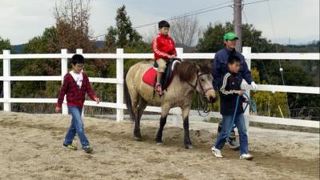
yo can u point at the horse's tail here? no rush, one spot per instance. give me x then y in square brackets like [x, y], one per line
[128, 100]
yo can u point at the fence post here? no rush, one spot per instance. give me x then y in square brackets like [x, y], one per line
[120, 81]
[246, 51]
[6, 81]
[179, 52]
[176, 117]
[80, 51]
[64, 71]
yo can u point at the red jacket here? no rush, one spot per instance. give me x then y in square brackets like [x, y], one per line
[163, 46]
[75, 95]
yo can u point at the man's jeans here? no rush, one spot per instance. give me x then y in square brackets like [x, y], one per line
[76, 127]
[227, 126]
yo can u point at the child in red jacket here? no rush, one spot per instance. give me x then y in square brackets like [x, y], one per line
[76, 85]
[164, 49]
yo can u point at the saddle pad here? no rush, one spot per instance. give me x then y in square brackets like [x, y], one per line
[150, 77]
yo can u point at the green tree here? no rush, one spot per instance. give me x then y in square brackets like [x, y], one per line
[124, 35]
[46, 43]
[111, 40]
[268, 103]
[212, 38]
[71, 31]
[4, 44]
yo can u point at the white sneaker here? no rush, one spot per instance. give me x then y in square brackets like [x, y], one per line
[216, 152]
[246, 156]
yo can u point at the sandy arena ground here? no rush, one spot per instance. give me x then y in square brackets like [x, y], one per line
[31, 148]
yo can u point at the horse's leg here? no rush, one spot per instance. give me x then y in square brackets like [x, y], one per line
[185, 117]
[140, 108]
[135, 104]
[163, 119]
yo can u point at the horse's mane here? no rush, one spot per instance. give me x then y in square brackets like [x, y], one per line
[187, 70]
[204, 68]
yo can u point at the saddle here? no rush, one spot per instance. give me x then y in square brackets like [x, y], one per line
[150, 76]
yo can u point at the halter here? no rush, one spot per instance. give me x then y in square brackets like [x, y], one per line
[204, 91]
[201, 105]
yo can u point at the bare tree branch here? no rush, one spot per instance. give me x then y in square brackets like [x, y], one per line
[185, 30]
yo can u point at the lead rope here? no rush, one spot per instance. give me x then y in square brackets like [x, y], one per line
[250, 102]
[203, 107]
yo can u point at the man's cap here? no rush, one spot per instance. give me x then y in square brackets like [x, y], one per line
[230, 36]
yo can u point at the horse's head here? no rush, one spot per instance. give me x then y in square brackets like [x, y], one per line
[199, 77]
[204, 82]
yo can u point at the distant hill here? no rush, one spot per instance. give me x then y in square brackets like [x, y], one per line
[311, 47]
[18, 49]
[100, 44]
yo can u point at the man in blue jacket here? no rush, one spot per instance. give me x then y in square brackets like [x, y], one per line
[219, 69]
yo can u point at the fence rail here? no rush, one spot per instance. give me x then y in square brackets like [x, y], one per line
[120, 57]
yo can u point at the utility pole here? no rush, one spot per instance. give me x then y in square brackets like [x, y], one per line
[237, 22]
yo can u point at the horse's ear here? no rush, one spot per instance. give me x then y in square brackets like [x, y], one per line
[205, 68]
[197, 66]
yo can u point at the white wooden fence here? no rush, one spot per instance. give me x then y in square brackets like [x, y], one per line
[120, 56]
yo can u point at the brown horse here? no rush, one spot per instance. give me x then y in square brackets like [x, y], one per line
[188, 78]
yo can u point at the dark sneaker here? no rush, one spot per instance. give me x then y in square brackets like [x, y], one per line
[70, 146]
[233, 144]
[87, 149]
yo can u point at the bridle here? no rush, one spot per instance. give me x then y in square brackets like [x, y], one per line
[204, 91]
[202, 105]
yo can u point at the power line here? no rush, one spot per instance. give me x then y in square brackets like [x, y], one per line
[255, 2]
[203, 9]
[174, 18]
[187, 14]
[277, 49]
[274, 35]
[253, 45]
[194, 12]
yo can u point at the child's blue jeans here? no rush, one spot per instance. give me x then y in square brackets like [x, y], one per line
[227, 126]
[76, 127]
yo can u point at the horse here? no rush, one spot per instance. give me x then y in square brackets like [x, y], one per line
[187, 79]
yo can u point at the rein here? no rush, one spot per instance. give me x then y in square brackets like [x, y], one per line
[203, 106]
[202, 103]
[204, 91]
[249, 102]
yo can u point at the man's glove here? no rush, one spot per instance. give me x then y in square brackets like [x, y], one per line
[253, 85]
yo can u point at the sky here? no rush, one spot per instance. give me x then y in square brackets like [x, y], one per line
[283, 21]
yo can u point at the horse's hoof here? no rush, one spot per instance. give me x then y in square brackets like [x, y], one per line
[188, 146]
[159, 143]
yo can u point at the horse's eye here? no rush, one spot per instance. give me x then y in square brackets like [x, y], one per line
[202, 79]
